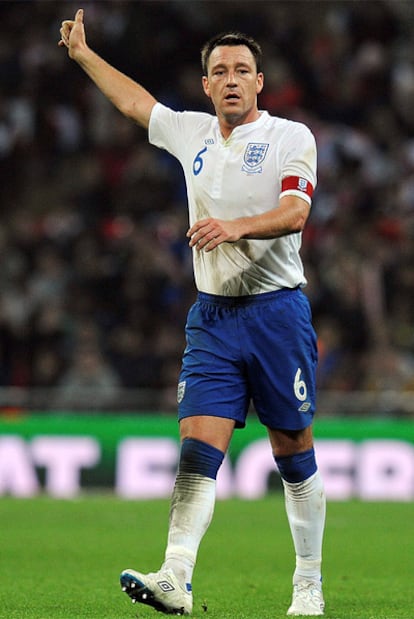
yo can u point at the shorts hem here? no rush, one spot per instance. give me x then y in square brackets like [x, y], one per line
[296, 428]
[239, 423]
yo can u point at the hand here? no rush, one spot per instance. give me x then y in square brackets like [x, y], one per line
[72, 34]
[207, 234]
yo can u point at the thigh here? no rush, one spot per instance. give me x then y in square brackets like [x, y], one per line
[212, 379]
[282, 363]
[215, 431]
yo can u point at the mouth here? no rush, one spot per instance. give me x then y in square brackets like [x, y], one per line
[232, 96]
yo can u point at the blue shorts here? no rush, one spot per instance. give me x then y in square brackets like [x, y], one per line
[258, 349]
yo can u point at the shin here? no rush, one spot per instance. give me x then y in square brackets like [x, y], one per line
[192, 505]
[305, 508]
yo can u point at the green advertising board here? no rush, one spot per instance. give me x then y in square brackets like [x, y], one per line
[135, 456]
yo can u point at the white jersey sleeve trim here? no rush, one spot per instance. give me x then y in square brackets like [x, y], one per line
[295, 192]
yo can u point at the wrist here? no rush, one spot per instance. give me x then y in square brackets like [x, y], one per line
[79, 53]
[244, 227]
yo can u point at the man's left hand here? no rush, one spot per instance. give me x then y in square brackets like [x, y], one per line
[208, 233]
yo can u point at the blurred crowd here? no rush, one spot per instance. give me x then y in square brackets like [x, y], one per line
[96, 275]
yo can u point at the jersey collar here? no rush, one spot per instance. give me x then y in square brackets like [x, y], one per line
[241, 130]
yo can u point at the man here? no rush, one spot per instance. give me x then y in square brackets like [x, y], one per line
[250, 179]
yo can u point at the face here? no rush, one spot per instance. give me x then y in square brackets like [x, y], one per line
[233, 84]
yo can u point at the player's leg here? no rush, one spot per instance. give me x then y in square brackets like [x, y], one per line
[210, 382]
[283, 358]
[204, 443]
[305, 507]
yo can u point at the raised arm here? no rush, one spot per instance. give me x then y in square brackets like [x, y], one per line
[127, 95]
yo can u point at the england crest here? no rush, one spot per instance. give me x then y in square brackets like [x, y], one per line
[181, 391]
[254, 156]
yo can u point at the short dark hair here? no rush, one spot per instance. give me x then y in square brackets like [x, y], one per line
[232, 39]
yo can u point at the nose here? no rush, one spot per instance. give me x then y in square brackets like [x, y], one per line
[231, 79]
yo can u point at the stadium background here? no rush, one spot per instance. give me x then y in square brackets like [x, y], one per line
[96, 275]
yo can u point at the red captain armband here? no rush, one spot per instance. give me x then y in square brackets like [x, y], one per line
[297, 183]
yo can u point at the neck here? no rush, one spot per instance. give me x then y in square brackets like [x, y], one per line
[229, 122]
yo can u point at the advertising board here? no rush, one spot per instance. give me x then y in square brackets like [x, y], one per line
[136, 456]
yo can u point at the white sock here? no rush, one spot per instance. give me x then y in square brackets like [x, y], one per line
[305, 507]
[192, 507]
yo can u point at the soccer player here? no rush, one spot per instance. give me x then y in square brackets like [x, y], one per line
[250, 179]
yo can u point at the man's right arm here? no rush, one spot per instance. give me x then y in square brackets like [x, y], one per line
[127, 95]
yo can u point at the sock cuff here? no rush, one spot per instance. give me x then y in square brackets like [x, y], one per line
[200, 458]
[298, 467]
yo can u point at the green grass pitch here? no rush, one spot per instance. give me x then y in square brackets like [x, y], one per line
[62, 559]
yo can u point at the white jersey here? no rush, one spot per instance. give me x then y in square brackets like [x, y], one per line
[238, 177]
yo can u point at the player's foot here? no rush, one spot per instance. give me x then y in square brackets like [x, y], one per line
[307, 600]
[161, 590]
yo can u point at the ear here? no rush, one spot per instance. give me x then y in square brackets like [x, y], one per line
[259, 83]
[206, 85]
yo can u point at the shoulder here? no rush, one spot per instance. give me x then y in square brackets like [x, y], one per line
[174, 131]
[163, 112]
[287, 127]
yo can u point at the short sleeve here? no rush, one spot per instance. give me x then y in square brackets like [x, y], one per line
[298, 173]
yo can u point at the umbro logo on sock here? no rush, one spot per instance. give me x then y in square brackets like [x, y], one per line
[165, 586]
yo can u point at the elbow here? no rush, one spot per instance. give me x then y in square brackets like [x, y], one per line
[301, 218]
[138, 113]
[128, 109]
[296, 212]
[299, 224]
